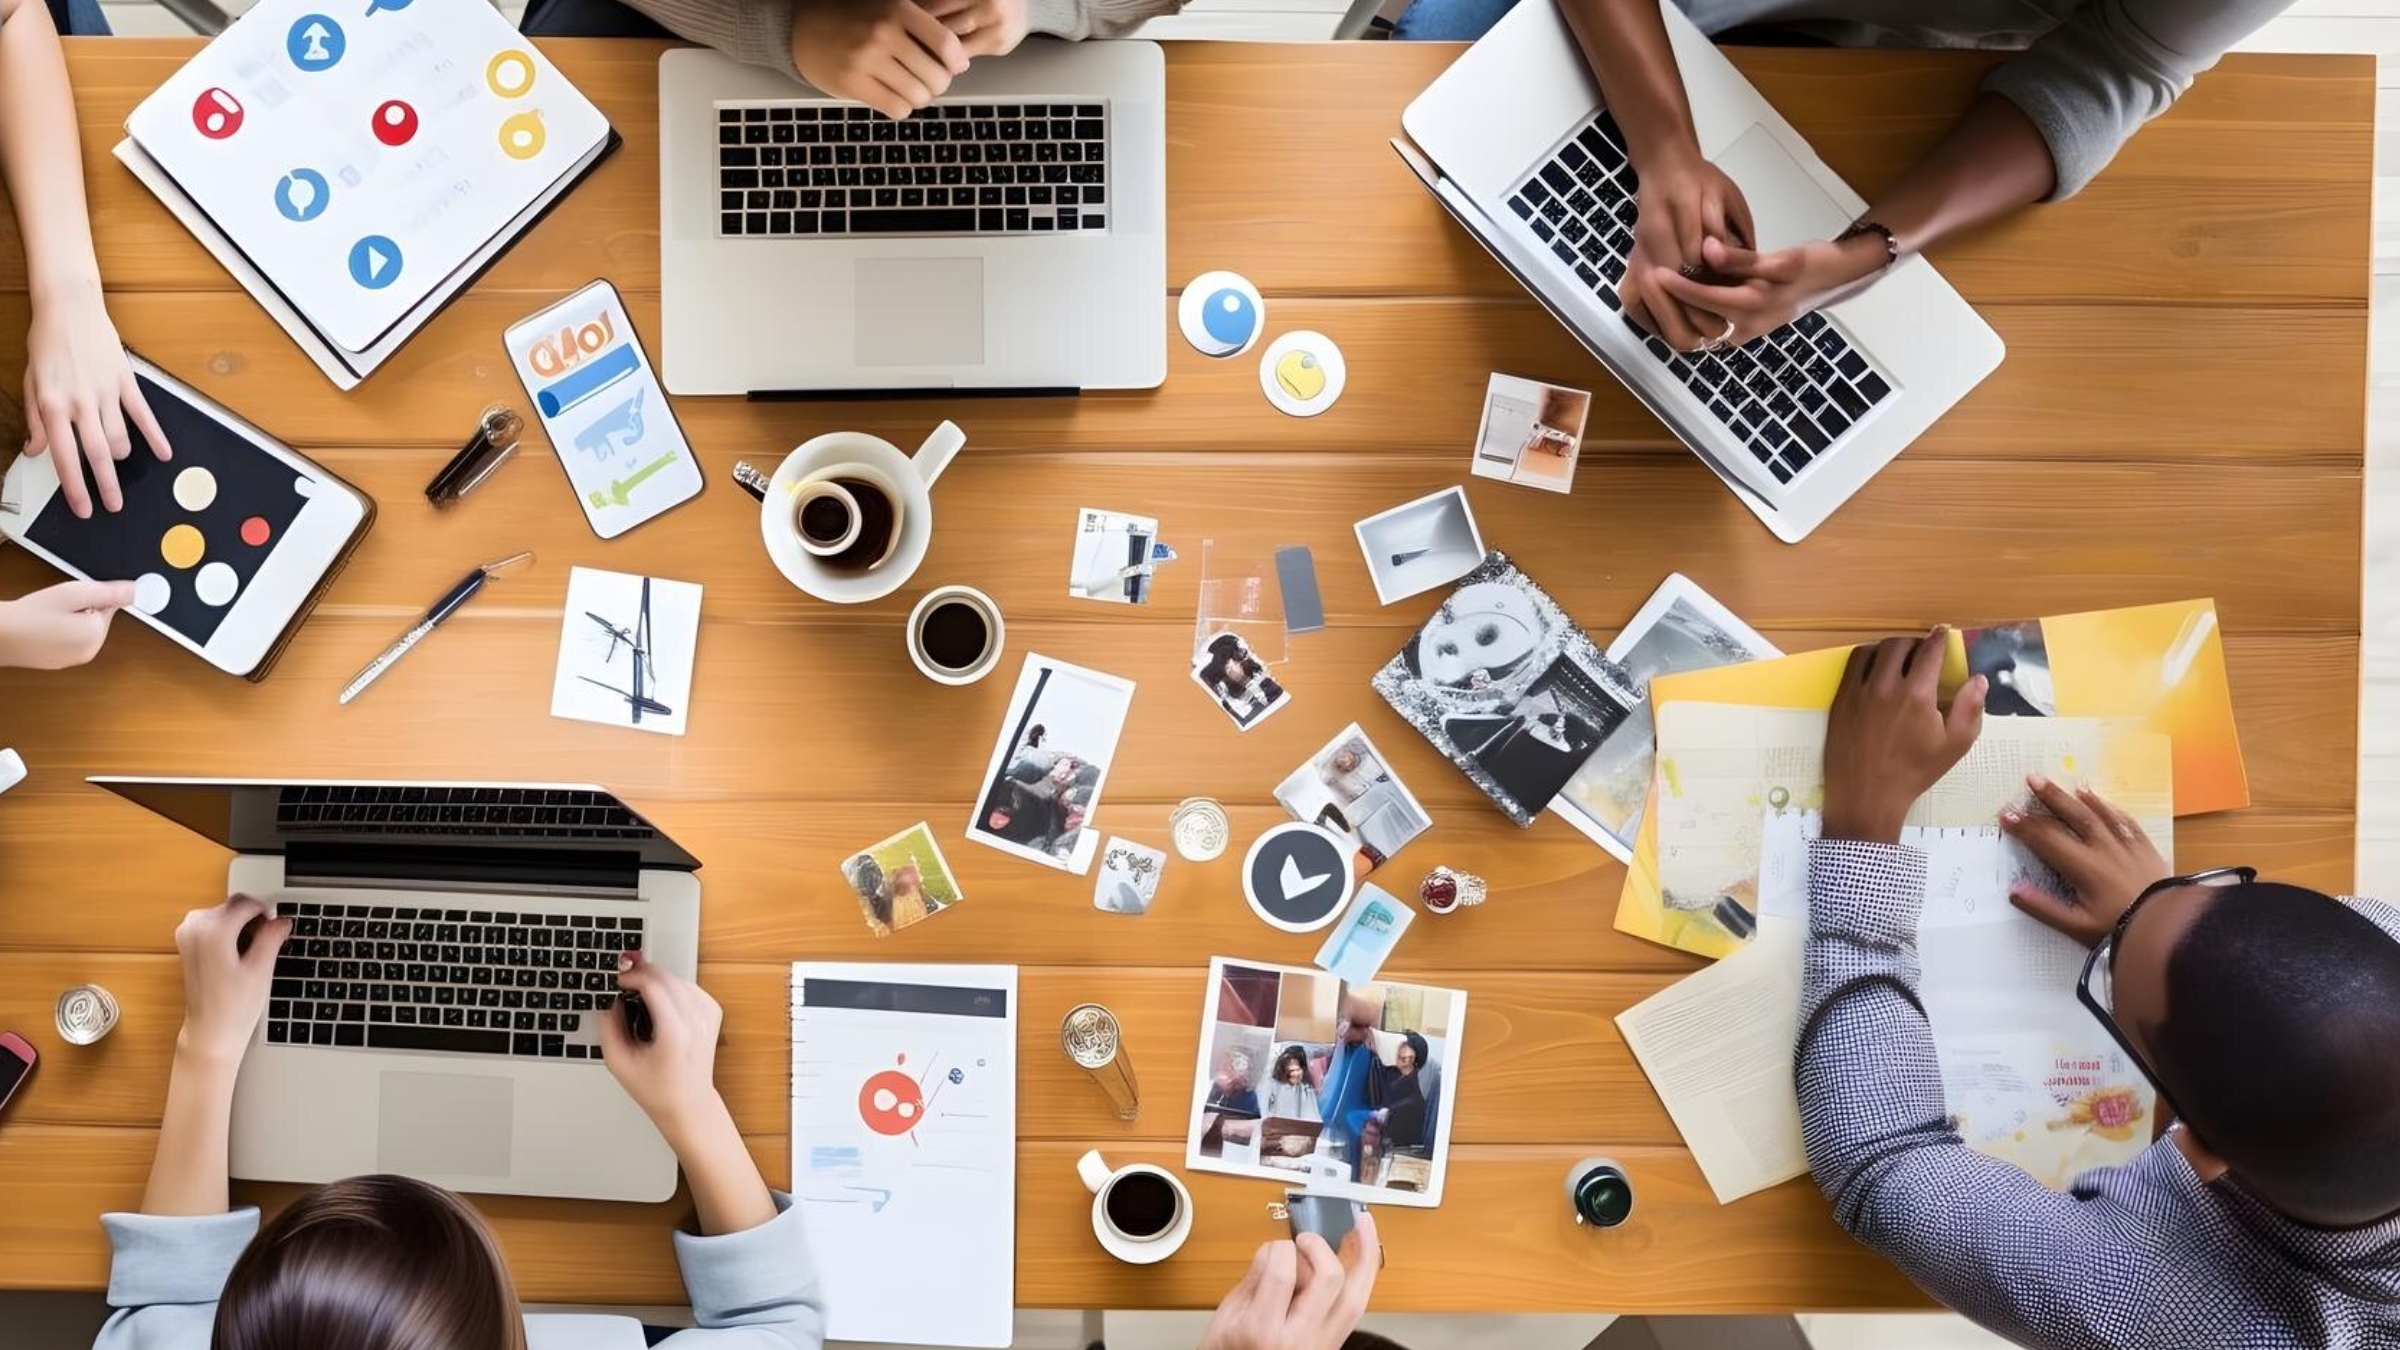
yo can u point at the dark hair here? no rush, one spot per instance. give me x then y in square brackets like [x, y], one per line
[866, 878]
[1292, 1054]
[2281, 1038]
[1035, 737]
[372, 1263]
[1417, 1043]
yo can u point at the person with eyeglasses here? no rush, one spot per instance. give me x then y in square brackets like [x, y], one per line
[2266, 1016]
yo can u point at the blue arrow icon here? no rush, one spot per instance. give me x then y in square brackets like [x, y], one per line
[301, 195]
[375, 262]
[314, 42]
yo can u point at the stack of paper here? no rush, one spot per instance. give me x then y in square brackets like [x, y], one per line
[356, 169]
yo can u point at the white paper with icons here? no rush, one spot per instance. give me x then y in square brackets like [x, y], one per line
[359, 151]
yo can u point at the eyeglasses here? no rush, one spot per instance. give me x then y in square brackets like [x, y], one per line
[2096, 990]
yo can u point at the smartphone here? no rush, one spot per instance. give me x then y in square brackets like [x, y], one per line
[16, 1064]
[598, 397]
[1329, 1217]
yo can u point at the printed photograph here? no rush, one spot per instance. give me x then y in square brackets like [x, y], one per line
[2016, 659]
[625, 651]
[1364, 938]
[1043, 783]
[1681, 628]
[1531, 433]
[1128, 877]
[1349, 788]
[1115, 556]
[1502, 682]
[1419, 545]
[1229, 673]
[1358, 1104]
[902, 881]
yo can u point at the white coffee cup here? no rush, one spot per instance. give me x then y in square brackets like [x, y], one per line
[995, 635]
[844, 499]
[908, 480]
[1134, 1249]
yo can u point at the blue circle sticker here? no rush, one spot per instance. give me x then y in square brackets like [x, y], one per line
[301, 195]
[314, 42]
[1229, 317]
[375, 262]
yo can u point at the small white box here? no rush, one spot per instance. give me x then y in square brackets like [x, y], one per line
[1419, 545]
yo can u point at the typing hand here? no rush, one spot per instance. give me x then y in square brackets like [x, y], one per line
[987, 27]
[674, 1071]
[1298, 1295]
[79, 394]
[60, 626]
[1761, 292]
[2102, 853]
[891, 55]
[1684, 201]
[1888, 738]
[225, 983]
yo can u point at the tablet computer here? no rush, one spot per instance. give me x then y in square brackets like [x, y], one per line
[228, 544]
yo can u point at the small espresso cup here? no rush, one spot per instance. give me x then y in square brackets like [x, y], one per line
[1140, 1213]
[943, 630]
[825, 517]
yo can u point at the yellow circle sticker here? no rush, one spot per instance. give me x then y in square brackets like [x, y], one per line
[182, 546]
[510, 73]
[522, 136]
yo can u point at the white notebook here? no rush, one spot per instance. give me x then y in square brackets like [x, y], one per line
[904, 1147]
[354, 168]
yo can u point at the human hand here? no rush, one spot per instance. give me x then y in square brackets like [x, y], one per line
[60, 626]
[891, 55]
[79, 395]
[1298, 1295]
[224, 985]
[674, 1072]
[986, 27]
[1888, 739]
[1684, 201]
[1761, 292]
[2102, 853]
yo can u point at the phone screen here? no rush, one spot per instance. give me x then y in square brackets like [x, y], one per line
[12, 1072]
[195, 529]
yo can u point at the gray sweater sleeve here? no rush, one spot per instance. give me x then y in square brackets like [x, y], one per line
[2091, 82]
[759, 32]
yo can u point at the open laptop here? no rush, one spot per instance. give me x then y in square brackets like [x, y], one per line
[434, 1012]
[1516, 140]
[1009, 238]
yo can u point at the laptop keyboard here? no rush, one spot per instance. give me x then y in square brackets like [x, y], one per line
[483, 982]
[1788, 396]
[803, 170]
[540, 813]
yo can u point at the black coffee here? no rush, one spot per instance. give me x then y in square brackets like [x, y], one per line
[1142, 1204]
[824, 519]
[955, 635]
[877, 518]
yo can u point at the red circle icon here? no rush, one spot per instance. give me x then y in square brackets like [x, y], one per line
[395, 122]
[216, 114]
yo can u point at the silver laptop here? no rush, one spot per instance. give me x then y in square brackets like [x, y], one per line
[1516, 140]
[434, 1012]
[1010, 237]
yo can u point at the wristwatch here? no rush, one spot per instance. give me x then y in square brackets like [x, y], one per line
[1891, 246]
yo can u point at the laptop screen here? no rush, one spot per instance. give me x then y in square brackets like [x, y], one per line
[567, 823]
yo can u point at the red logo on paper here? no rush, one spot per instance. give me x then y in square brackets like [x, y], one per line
[216, 114]
[395, 122]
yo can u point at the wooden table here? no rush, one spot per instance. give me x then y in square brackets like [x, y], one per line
[2181, 413]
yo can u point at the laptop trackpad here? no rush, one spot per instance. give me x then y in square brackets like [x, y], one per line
[919, 311]
[1785, 203]
[444, 1124]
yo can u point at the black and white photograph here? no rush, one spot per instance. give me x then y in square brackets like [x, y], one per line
[1504, 683]
[1681, 628]
[1227, 671]
[2015, 658]
[1416, 546]
[1115, 557]
[1128, 878]
[1043, 784]
[1349, 788]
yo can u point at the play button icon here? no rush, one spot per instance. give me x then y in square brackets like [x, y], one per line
[375, 262]
[1297, 876]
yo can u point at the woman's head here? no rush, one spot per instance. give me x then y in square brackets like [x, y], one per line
[1412, 1053]
[1292, 1065]
[372, 1263]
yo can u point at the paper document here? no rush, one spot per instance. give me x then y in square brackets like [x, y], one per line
[904, 1147]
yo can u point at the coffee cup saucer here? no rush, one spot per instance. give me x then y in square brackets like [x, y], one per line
[898, 477]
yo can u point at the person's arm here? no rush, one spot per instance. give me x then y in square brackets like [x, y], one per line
[749, 1273]
[79, 390]
[1300, 1295]
[895, 56]
[1683, 198]
[1981, 1235]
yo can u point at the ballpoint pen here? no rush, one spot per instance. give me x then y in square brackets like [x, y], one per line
[442, 609]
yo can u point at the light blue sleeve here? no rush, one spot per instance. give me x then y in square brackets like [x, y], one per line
[752, 1290]
[164, 1275]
